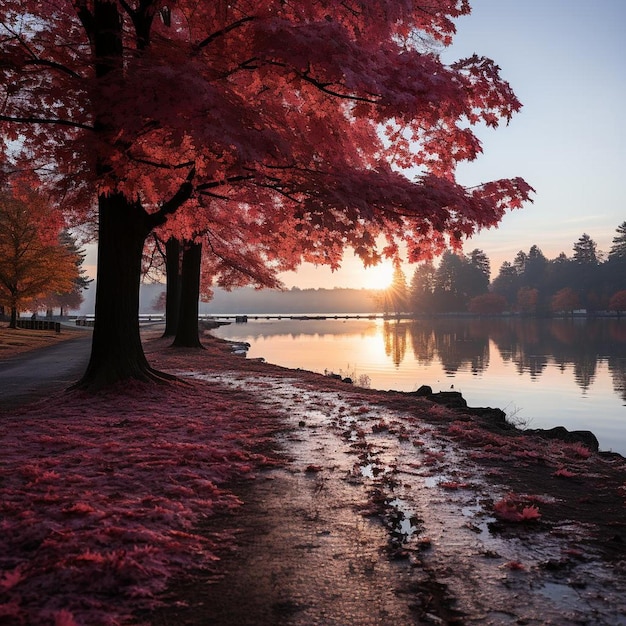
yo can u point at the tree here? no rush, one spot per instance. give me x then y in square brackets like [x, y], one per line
[476, 273]
[519, 262]
[618, 302]
[487, 304]
[283, 124]
[565, 300]
[448, 294]
[527, 300]
[506, 283]
[423, 287]
[586, 262]
[33, 260]
[397, 295]
[618, 249]
[585, 251]
[480, 261]
[73, 298]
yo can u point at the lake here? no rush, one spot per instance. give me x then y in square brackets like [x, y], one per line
[542, 373]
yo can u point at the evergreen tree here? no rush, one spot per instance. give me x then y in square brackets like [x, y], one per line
[480, 260]
[585, 251]
[397, 295]
[422, 288]
[519, 262]
[586, 262]
[618, 249]
[506, 283]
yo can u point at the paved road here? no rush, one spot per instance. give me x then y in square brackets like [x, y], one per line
[39, 373]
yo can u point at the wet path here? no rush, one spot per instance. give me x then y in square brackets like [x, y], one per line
[381, 519]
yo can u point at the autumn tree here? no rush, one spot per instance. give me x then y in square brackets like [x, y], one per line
[33, 261]
[287, 125]
[527, 298]
[565, 300]
[618, 302]
[487, 304]
[70, 299]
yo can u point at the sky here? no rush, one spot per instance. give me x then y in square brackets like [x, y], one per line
[565, 62]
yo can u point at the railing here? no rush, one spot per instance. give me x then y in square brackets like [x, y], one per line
[39, 325]
[82, 321]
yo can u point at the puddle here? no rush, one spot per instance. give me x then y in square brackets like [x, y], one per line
[433, 495]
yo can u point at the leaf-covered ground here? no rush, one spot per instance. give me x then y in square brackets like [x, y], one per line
[107, 500]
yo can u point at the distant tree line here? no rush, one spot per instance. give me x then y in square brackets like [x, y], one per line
[530, 284]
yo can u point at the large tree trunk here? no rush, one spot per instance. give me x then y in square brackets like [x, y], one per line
[116, 352]
[173, 286]
[187, 333]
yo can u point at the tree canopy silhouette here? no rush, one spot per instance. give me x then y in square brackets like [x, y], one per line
[279, 130]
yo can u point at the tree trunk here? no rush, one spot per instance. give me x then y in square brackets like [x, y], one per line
[13, 321]
[173, 286]
[116, 351]
[187, 332]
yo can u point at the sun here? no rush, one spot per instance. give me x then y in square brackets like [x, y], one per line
[379, 276]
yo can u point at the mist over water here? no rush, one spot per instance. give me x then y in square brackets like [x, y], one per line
[542, 373]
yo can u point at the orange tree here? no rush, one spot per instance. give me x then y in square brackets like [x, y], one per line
[565, 299]
[618, 302]
[276, 130]
[487, 304]
[33, 261]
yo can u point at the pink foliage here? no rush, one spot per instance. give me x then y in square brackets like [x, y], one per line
[510, 509]
[578, 449]
[64, 618]
[563, 472]
[453, 485]
[100, 497]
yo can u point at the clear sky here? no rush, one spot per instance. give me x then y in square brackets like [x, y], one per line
[565, 60]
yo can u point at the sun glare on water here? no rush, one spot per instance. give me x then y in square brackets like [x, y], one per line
[379, 276]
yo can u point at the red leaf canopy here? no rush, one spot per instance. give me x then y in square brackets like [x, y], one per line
[294, 122]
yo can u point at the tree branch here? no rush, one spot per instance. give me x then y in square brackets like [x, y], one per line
[175, 202]
[163, 166]
[53, 65]
[224, 31]
[43, 120]
[324, 87]
[218, 183]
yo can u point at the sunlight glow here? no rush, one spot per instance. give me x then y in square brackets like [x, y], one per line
[379, 276]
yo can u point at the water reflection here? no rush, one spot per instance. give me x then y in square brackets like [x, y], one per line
[544, 372]
[530, 345]
[395, 341]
